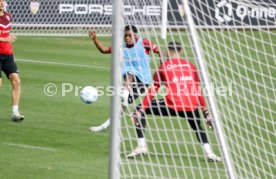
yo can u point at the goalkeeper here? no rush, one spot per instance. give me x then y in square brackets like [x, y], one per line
[135, 69]
[181, 79]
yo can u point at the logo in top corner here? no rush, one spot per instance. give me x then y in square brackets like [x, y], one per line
[224, 11]
[34, 6]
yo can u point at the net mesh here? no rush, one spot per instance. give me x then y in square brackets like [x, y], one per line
[237, 42]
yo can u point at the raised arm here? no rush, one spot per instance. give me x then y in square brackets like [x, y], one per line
[99, 45]
[150, 46]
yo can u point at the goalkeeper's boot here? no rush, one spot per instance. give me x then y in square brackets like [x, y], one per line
[96, 128]
[17, 117]
[212, 157]
[138, 151]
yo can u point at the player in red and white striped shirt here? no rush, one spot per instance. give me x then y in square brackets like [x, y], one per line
[183, 97]
[7, 63]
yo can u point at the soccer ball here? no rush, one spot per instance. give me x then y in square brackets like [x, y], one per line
[89, 94]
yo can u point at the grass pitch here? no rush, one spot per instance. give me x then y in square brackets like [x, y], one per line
[53, 141]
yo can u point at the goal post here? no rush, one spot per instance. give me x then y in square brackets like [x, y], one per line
[213, 107]
[115, 105]
[236, 45]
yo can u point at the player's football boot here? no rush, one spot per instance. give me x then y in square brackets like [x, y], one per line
[212, 157]
[96, 128]
[140, 150]
[17, 117]
[101, 127]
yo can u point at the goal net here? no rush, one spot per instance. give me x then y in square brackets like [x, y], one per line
[237, 45]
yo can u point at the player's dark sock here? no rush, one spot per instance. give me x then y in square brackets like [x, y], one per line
[140, 127]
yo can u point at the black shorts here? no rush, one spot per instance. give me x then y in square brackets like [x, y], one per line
[7, 65]
[137, 88]
[159, 107]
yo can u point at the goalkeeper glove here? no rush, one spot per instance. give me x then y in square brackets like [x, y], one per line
[138, 116]
[208, 118]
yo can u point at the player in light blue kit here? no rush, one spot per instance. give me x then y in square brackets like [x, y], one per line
[136, 66]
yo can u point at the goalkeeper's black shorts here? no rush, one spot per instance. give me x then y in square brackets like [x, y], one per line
[159, 107]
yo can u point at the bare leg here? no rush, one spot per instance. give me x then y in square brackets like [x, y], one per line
[16, 88]
[128, 80]
[16, 94]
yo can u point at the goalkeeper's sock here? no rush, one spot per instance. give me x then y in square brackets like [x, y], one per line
[207, 148]
[141, 142]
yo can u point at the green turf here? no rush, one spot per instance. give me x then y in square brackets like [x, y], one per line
[54, 142]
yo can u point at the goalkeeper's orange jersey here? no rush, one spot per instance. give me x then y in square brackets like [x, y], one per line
[5, 20]
[182, 84]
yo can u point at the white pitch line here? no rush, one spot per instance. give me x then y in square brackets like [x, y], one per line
[62, 64]
[30, 147]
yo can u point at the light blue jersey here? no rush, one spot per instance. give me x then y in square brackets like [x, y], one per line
[137, 62]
